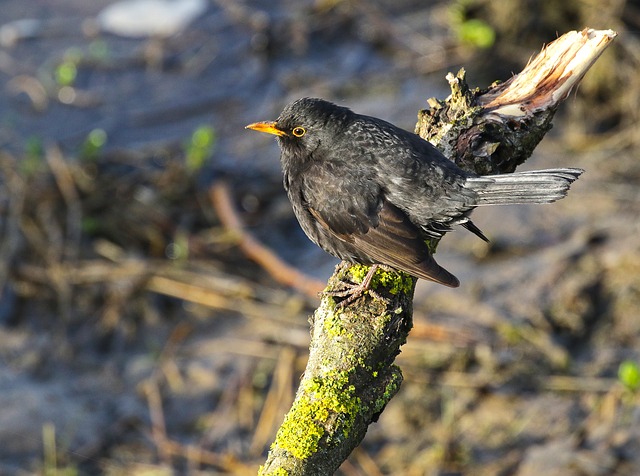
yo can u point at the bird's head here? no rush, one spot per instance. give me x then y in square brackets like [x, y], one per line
[306, 125]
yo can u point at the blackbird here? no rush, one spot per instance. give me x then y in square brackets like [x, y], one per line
[369, 192]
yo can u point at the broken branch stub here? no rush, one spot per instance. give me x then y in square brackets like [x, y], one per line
[493, 131]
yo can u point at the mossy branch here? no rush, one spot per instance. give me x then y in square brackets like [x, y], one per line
[350, 376]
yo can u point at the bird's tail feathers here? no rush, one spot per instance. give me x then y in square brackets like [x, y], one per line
[537, 186]
[432, 271]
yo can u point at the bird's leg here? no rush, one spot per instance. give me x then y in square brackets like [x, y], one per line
[354, 291]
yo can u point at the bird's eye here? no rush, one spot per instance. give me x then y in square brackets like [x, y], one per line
[298, 131]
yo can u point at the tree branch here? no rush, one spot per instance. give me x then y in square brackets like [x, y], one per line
[350, 376]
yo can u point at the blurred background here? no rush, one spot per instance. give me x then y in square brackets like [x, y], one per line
[147, 324]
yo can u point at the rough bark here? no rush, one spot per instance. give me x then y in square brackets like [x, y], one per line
[350, 376]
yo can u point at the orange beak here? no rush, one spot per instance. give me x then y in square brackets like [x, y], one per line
[268, 127]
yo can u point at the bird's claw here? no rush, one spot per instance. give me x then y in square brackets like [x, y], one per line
[351, 291]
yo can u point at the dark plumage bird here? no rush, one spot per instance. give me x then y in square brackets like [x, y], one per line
[369, 192]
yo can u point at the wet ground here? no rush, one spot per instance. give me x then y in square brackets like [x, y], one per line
[137, 338]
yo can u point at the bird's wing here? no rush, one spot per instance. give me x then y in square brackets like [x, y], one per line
[417, 177]
[386, 237]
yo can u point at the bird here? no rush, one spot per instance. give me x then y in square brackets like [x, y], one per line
[369, 192]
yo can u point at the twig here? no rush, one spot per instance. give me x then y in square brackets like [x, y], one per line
[278, 269]
[158, 428]
[494, 131]
[194, 454]
[271, 409]
[164, 278]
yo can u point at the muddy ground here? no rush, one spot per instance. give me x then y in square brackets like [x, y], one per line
[137, 337]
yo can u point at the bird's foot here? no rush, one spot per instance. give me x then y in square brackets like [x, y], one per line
[352, 291]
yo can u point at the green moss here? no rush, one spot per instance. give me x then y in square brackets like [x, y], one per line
[358, 272]
[394, 281]
[321, 398]
[390, 390]
[300, 433]
[394, 384]
[333, 325]
[330, 302]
